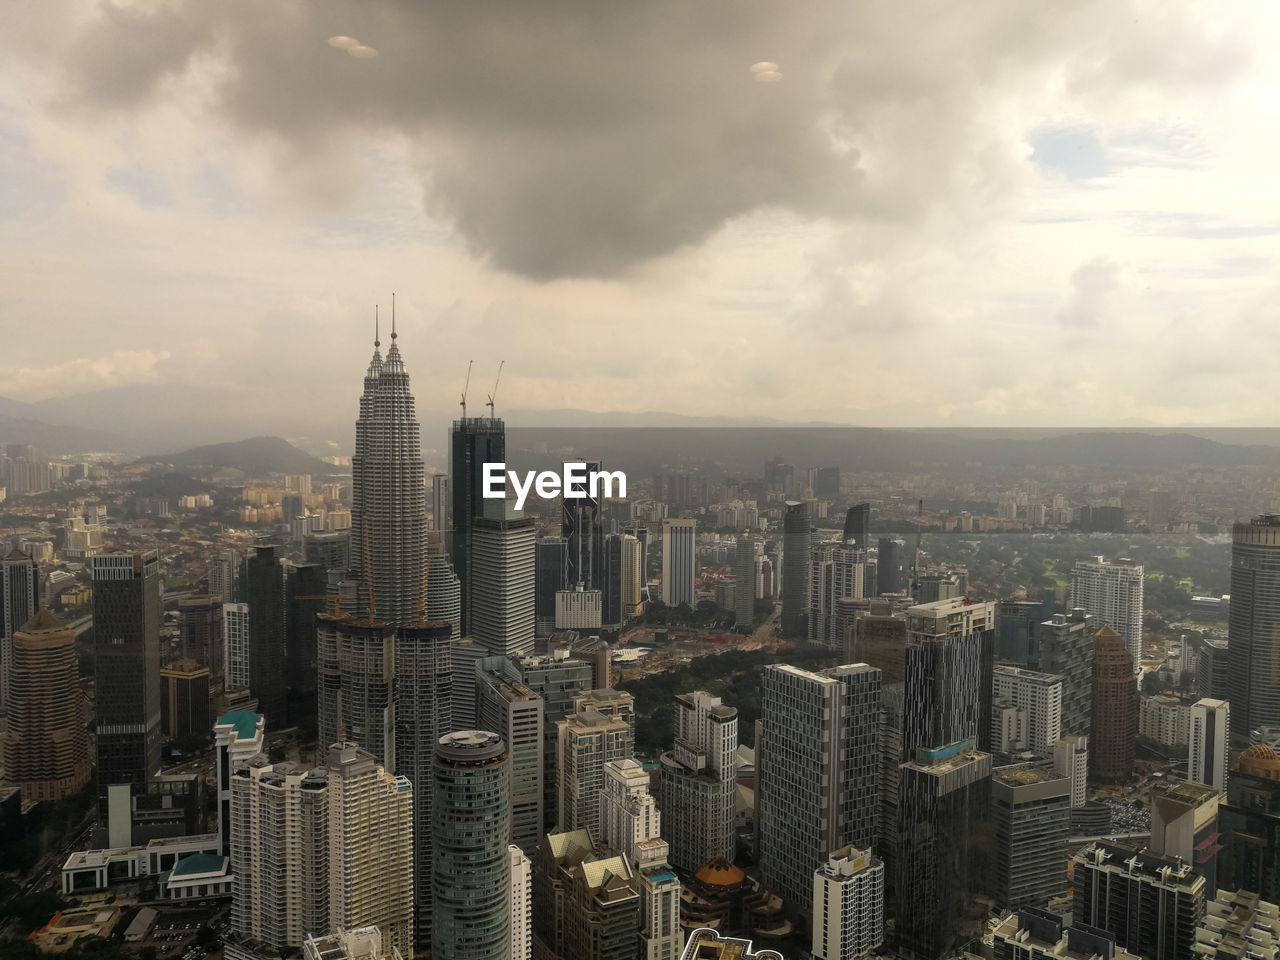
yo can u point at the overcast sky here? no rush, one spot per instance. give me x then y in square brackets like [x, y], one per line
[977, 213]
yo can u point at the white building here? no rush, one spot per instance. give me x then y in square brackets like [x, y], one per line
[699, 785]
[235, 626]
[520, 906]
[1210, 729]
[237, 739]
[679, 562]
[1111, 592]
[1071, 760]
[848, 905]
[362, 944]
[502, 580]
[1164, 719]
[1039, 697]
[578, 609]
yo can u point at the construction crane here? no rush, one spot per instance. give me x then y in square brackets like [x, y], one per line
[495, 388]
[465, 387]
[335, 597]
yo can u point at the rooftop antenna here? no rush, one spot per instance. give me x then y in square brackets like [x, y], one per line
[377, 339]
[495, 388]
[393, 316]
[465, 387]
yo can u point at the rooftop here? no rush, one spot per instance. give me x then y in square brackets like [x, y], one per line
[244, 722]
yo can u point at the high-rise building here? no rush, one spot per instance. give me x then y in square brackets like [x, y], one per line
[1066, 649]
[836, 572]
[1253, 627]
[848, 905]
[444, 592]
[19, 600]
[262, 588]
[515, 713]
[1035, 696]
[1239, 924]
[422, 714]
[679, 562]
[601, 729]
[45, 750]
[557, 681]
[797, 541]
[441, 502]
[1111, 592]
[1250, 824]
[235, 627]
[1071, 761]
[583, 531]
[238, 739]
[471, 870]
[890, 576]
[550, 565]
[1184, 824]
[1031, 813]
[1035, 934]
[200, 637]
[1115, 707]
[744, 570]
[1016, 622]
[634, 592]
[857, 525]
[520, 904]
[355, 698]
[1207, 749]
[591, 898]
[699, 783]
[943, 796]
[304, 585]
[126, 646]
[473, 442]
[502, 579]
[1152, 905]
[949, 673]
[1212, 676]
[388, 508]
[818, 771]
[224, 576]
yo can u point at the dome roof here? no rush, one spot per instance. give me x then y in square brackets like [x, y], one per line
[719, 872]
[1260, 751]
[1260, 760]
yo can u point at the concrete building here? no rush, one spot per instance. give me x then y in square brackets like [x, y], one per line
[578, 609]
[520, 904]
[1166, 720]
[949, 663]
[513, 711]
[1115, 707]
[235, 625]
[1035, 934]
[744, 569]
[502, 579]
[1071, 761]
[679, 562]
[699, 783]
[1031, 813]
[1184, 825]
[471, 868]
[364, 943]
[19, 601]
[557, 679]
[238, 741]
[184, 700]
[707, 944]
[601, 729]
[818, 772]
[1038, 697]
[1111, 592]
[1253, 631]
[848, 905]
[1238, 925]
[262, 587]
[356, 664]
[1152, 905]
[1066, 649]
[1209, 740]
[797, 540]
[45, 749]
[591, 898]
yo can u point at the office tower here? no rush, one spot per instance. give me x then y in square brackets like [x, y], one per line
[1071, 760]
[235, 626]
[557, 681]
[640, 531]
[1115, 707]
[634, 592]
[848, 905]
[583, 531]
[1207, 750]
[836, 572]
[1184, 824]
[45, 750]
[818, 767]
[1035, 934]
[355, 684]
[857, 525]
[1016, 622]
[224, 576]
[19, 600]
[370, 846]
[1066, 649]
[1250, 824]
[305, 585]
[578, 609]
[1031, 813]
[1239, 924]
[502, 579]
[520, 904]
[388, 509]
[184, 700]
[1152, 905]
[473, 442]
[550, 563]
[238, 739]
[200, 636]
[601, 729]
[679, 562]
[515, 713]
[699, 783]
[422, 714]
[126, 646]
[797, 542]
[744, 570]
[1212, 676]
[890, 577]
[612, 583]
[943, 795]
[1253, 628]
[471, 869]
[949, 673]
[464, 654]
[441, 501]
[262, 587]
[1112, 594]
[1036, 695]
[279, 833]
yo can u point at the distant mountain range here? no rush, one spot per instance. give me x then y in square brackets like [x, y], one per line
[256, 457]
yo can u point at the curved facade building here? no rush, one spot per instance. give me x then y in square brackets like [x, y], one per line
[355, 667]
[470, 865]
[1115, 707]
[797, 542]
[1253, 629]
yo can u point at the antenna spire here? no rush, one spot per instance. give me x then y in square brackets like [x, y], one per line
[377, 339]
[393, 316]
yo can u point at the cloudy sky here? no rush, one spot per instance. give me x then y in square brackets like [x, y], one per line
[919, 213]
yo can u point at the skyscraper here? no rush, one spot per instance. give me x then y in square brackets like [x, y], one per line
[848, 905]
[744, 571]
[889, 574]
[235, 627]
[583, 531]
[356, 665]
[949, 669]
[473, 442]
[797, 537]
[126, 646]
[471, 870]
[1115, 707]
[679, 562]
[1112, 594]
[857, 525]
[699, 785]
[305, 584]
[1038, 697]
[262, 588]
[1253, 628]
[509, 708]
[818, 771]
[550, 564]
[1066, 649]
[19, 600]
[388, 507]
[1031, 813]
[601, 729]
[520, 904]
[1207, 747]
[502, 579]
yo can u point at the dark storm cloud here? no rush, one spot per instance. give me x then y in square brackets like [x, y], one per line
[580, 138]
